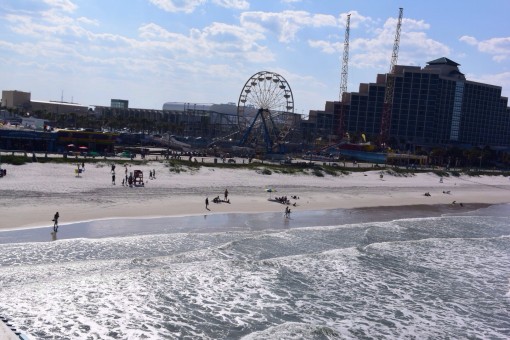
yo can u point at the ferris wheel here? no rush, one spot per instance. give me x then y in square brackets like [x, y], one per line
[265, 110]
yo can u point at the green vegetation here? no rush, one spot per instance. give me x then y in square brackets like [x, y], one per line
[263, 168]
[20, 160]
[176, 166]
[15, 160]
[318, 172]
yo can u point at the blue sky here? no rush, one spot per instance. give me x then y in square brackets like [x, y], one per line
[203, 51]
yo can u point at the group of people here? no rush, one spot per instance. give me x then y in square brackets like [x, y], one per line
[217, 199]
[282, 199]
[285, 200]
[130, 180]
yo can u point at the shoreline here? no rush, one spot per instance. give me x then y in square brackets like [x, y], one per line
[30, 194]
[228, 222]
[41, 210]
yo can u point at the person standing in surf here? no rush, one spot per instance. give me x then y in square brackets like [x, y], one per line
[55, 221]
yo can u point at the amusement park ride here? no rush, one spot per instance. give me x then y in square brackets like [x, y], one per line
[265, 112]
[265, 109]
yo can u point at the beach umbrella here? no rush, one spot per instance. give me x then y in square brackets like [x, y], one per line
[270, 191]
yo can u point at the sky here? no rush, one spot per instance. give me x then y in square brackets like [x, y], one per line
[203, 51]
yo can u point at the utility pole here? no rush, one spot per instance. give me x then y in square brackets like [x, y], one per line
[390, 85]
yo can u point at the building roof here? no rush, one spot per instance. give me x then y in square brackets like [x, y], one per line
[57, 103]
[443, 61]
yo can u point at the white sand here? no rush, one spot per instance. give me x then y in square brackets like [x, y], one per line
[30, 194]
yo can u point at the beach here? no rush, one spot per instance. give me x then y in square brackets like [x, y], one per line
[30, 194]
[360, 256]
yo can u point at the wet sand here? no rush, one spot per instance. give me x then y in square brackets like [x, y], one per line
[235, 222]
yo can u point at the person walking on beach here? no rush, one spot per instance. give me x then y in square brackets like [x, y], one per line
[207, 203]
[226, 194]
[113, 177]
[55, 221]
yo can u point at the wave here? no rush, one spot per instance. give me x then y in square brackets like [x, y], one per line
[423, 277]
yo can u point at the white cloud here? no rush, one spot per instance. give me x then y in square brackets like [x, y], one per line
[415, 46]
[356, 21]
[64, 5]
[326, 46]
[57, 36]
[87, 21]
[375, 51]
[236, 4]
[186, 6]
[48, 25]
[469, 40]
[409, 24]
[499, 48]
[189, 6]
[285, 24]
[217, 39]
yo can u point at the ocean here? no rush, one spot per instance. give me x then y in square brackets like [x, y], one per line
[358, 274]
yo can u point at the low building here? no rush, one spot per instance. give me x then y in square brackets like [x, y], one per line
[15, 99]
[57, 108]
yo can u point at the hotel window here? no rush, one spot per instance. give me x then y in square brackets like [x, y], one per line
[457, 111]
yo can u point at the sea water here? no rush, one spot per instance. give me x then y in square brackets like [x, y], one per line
[444, 277]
